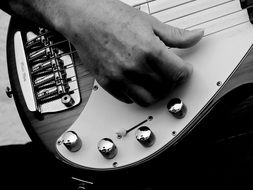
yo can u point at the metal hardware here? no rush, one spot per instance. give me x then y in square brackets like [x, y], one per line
[177, 108]
[145, 136]
[49, 76]
[174, 133]
[219, 83]
[71, 141]
[67, 100]
[107, 148]
[8, 92]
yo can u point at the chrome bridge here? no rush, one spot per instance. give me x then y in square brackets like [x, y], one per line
[46, 69]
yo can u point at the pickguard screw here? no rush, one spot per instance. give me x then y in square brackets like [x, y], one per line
[59, 142]
[174, 133]
[150, 118]
[95, 88]
[115, 164]
[219, 83]
[119, 136]
[8, 92]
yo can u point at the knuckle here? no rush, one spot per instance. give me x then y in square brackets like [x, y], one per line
[156, 49]
[109, 80]
[115, 73]
[150, 44]
[180, 75]
[130, 68]
[145, 102]
[104, 82]
[117, 76]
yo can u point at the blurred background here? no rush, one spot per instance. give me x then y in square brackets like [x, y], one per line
[11, 128]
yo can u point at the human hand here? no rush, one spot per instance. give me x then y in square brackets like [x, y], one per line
[126, 49]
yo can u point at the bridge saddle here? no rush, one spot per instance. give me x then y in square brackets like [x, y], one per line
[46, 69]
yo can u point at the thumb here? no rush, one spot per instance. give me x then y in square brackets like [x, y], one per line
[176, 37]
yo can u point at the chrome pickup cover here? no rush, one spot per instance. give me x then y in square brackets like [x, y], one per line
[46, 60]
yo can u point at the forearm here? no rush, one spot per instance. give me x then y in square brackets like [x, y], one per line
[44, 12]
[63, 16]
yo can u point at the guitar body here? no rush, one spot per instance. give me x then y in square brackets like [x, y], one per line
[92, 114]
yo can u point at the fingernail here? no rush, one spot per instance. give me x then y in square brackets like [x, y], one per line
[199, 30]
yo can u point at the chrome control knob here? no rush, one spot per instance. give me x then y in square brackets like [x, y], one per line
[67, 100]
[177, 108]
[107, 148]
[145, 136]
[71, 141]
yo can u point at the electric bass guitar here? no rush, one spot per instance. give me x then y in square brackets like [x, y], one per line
[64, 108]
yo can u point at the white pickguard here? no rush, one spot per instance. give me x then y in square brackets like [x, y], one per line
[213, 59]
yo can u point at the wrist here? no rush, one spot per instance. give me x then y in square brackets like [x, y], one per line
[48, 13]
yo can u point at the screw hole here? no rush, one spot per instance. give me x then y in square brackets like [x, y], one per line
[119, 136]
[174, 133]
[115, 164]
[95, 88]
[219, 83]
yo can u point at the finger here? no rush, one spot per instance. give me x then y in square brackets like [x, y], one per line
[114, 89]
[176, 37]
[150, 81]
[168, 65]
[140, 95]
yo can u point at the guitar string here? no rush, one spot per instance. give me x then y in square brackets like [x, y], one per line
[171, 7]
[149, 5]
[150, 1]
[166, 22]
[214, 32]
[74, 65]
[51, 45]
[229, 27]
[206, 35]
[71, 52]
[38, 36]
[213, 19]
[147, 2]
[195, 12]
[168, 47]
[142, 3]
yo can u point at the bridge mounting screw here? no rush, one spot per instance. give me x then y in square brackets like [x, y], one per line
[95, 88]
